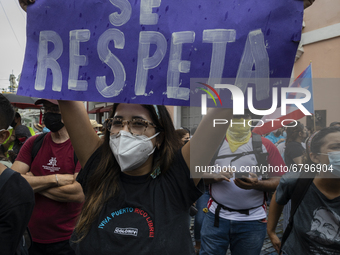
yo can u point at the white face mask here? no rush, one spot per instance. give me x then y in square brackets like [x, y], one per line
[131, 151]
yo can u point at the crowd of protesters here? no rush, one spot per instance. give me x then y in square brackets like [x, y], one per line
[61, 224]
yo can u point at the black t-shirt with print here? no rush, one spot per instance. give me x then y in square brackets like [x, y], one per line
[149, 216]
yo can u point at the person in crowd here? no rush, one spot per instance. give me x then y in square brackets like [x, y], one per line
[51, 174]
[41, 128]
[310, 131]
[336, 123]
[294, 155]
[21, 133]
[276, 137]
[9, 143]
[201, 205]
[137, 180]
[16, 195]
[38, 127]
[3, 158]
[96, 126]
[294, 152]
[316, 223]
[282, 146]
[237, 207]
[183, 134]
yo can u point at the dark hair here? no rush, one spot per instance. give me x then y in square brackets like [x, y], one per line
[17, 115]
[334, 124]
[6, 112]
[293, 132]
[187, 129]
[22, 131]
[182, 132]
[104, 183]
[318, 140]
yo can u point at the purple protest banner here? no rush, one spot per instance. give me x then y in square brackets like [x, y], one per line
[146, 51]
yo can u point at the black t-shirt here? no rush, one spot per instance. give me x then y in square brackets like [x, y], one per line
[16, 207]
[149, 216]
[293, 150]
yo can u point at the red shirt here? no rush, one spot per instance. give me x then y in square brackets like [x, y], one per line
[51, 221]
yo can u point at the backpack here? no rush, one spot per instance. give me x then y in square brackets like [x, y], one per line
[26, 239]
[37, 145]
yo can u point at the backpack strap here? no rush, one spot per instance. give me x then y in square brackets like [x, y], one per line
[37, 145]
[212, 161]
[6, 174]
[261, 157]
[300, 190]
[75, 159]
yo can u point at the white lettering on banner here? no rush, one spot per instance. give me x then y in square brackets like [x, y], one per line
[125, 15]
[76, 60]
[177, 66]
[219, 38]
[254, 54]
[146, 38]
[112, 61]
[146, 16]
[49, 60]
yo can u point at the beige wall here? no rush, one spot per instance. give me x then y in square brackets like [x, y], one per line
[325, 57]
[321, 14]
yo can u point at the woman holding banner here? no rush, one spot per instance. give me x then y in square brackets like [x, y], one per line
[137, 181]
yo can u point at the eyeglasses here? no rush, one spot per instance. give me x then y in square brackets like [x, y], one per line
[54, 109]
[136, 126]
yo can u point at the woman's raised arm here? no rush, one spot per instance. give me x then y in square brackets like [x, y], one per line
[84, 139]
[206, 140]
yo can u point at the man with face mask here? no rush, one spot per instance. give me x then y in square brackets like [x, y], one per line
[237, 208]
[52, 175]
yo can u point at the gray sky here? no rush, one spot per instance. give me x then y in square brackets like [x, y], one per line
[13, 40]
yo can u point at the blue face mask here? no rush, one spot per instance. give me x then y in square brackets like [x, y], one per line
[45, 130]
[334, 161]
[284, 134]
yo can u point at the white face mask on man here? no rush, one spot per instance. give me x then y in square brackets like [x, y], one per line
[131, 151]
